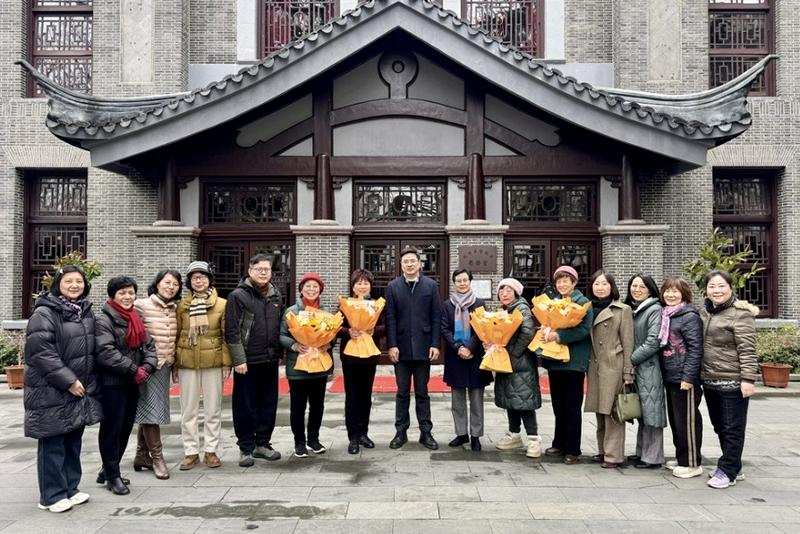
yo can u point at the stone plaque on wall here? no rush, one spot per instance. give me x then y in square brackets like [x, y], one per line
[137, 41]
[478, 258]
[664, 40]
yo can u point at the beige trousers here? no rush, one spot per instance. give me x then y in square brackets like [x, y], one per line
[192, 382]
[610, 439]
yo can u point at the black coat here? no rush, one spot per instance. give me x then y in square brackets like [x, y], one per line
[519, 389]
[253, 324]
[116, 362]
[413, 319]
[58, 351]
[682, 356]
[458, 372]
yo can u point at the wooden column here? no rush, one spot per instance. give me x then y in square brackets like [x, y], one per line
[474, 194]
[169, 207]
[629, 209]
[323, 189]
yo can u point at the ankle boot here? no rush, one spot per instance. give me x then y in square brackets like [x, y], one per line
[152, 436]
[142, 459]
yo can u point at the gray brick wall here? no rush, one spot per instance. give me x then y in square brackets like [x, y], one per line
[588, 31]
[13, 46]
[490, 240]
[212, 38]
[329, 256]
[624, 255]
[156, 252]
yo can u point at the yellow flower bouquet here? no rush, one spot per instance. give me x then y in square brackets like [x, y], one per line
[495, 328]
[362, 315]
[556, 314]
[315, 329]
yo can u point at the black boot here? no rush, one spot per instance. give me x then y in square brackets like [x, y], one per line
[426, 438]
[366, 442]
[399, 439]
[475, 443]
[459, 441]
[101, 478]
[117, 487]
[353, 447]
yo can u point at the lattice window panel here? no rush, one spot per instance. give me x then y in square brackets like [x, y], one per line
[50, 242]
[740, 34]
[230, 261]
[285, 21]
[516, 24]
[534, 202]
[56, 196]
[385, 203]
[529, 266]
[578, 256]
[250, 204]
[741, 196]
[381, 261]
[62, 43]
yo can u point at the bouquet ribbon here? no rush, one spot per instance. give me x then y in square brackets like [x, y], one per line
[361, 315]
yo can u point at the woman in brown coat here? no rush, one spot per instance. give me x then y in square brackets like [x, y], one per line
[610, 365]
[202, 363]
[159, 314]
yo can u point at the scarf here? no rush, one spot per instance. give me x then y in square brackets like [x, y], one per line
[198, 316]
[599, 305]
[162, 298]
[136, 335]
[310, 303]
[462, 302]
[75, 306]
[712, 309]
[666, 313]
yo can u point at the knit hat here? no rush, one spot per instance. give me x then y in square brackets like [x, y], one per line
[198, 266]
[311, 276]
[568, 270]
[513, 283]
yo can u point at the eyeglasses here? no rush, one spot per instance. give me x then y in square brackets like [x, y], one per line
[263, 270]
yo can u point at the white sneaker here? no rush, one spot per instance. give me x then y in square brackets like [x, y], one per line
[534, 447]
[79, 498]
[671, 464]
[61, 506]
[682, 471]
[739, 477]
[509, 441]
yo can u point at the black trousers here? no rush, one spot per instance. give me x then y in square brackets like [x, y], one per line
[566, 394]
[306, 392]
[119, 410]
[728, 412]
[518, 417]
[255, 404]
[358, 380]
[58, 466]
[420, 371]
[686, 423]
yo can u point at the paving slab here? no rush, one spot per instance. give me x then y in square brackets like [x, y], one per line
[529, 526]
[441, 526]
[577, 511]
[393, 510]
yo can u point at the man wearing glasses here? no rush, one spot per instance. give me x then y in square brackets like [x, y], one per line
[252, 331]
[412, 329]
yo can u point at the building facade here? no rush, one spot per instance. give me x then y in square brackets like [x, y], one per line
[398, 124]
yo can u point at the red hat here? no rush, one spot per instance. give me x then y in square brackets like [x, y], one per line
[311, 276]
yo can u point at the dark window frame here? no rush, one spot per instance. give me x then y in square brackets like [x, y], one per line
[401, 181]
[264, 50]
[765, 6]
[244, 227]
[32, 221]
[769, 177]
[35, 11]
[538, 45]
[579, 226]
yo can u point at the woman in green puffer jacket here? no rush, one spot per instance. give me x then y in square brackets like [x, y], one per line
[518, 392]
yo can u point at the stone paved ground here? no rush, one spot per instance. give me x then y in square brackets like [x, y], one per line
[415, 490]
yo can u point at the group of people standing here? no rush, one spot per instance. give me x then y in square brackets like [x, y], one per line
[116, 367]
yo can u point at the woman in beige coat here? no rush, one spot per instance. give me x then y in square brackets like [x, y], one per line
[610, 365]
[159, 314]
[202, 363]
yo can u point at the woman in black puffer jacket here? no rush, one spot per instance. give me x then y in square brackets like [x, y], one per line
[126, 357]
[681, 336]
[61, 386]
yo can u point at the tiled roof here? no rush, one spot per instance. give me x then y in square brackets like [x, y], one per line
[715, 114]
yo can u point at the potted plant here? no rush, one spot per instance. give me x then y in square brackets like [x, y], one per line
[718, 252]
[12, 350]
[778, 351]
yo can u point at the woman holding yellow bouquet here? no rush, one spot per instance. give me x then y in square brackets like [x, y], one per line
[566, 378]
[359, 373]
[305, 389]
[518, 392]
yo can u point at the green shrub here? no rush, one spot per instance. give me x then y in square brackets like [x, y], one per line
[718, 252]
[779, 345]
[12, 347]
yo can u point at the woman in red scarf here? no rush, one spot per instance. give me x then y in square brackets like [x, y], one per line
[126, 357]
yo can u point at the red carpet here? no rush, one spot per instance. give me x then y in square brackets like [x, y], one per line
[383, 384]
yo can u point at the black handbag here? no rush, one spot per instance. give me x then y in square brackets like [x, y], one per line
[627, 405]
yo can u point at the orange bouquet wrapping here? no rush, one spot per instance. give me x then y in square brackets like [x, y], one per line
[314, 328]
[362, 315]
[557, 314]
[496, 328]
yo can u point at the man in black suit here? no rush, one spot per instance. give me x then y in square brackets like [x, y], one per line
[412, 329]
